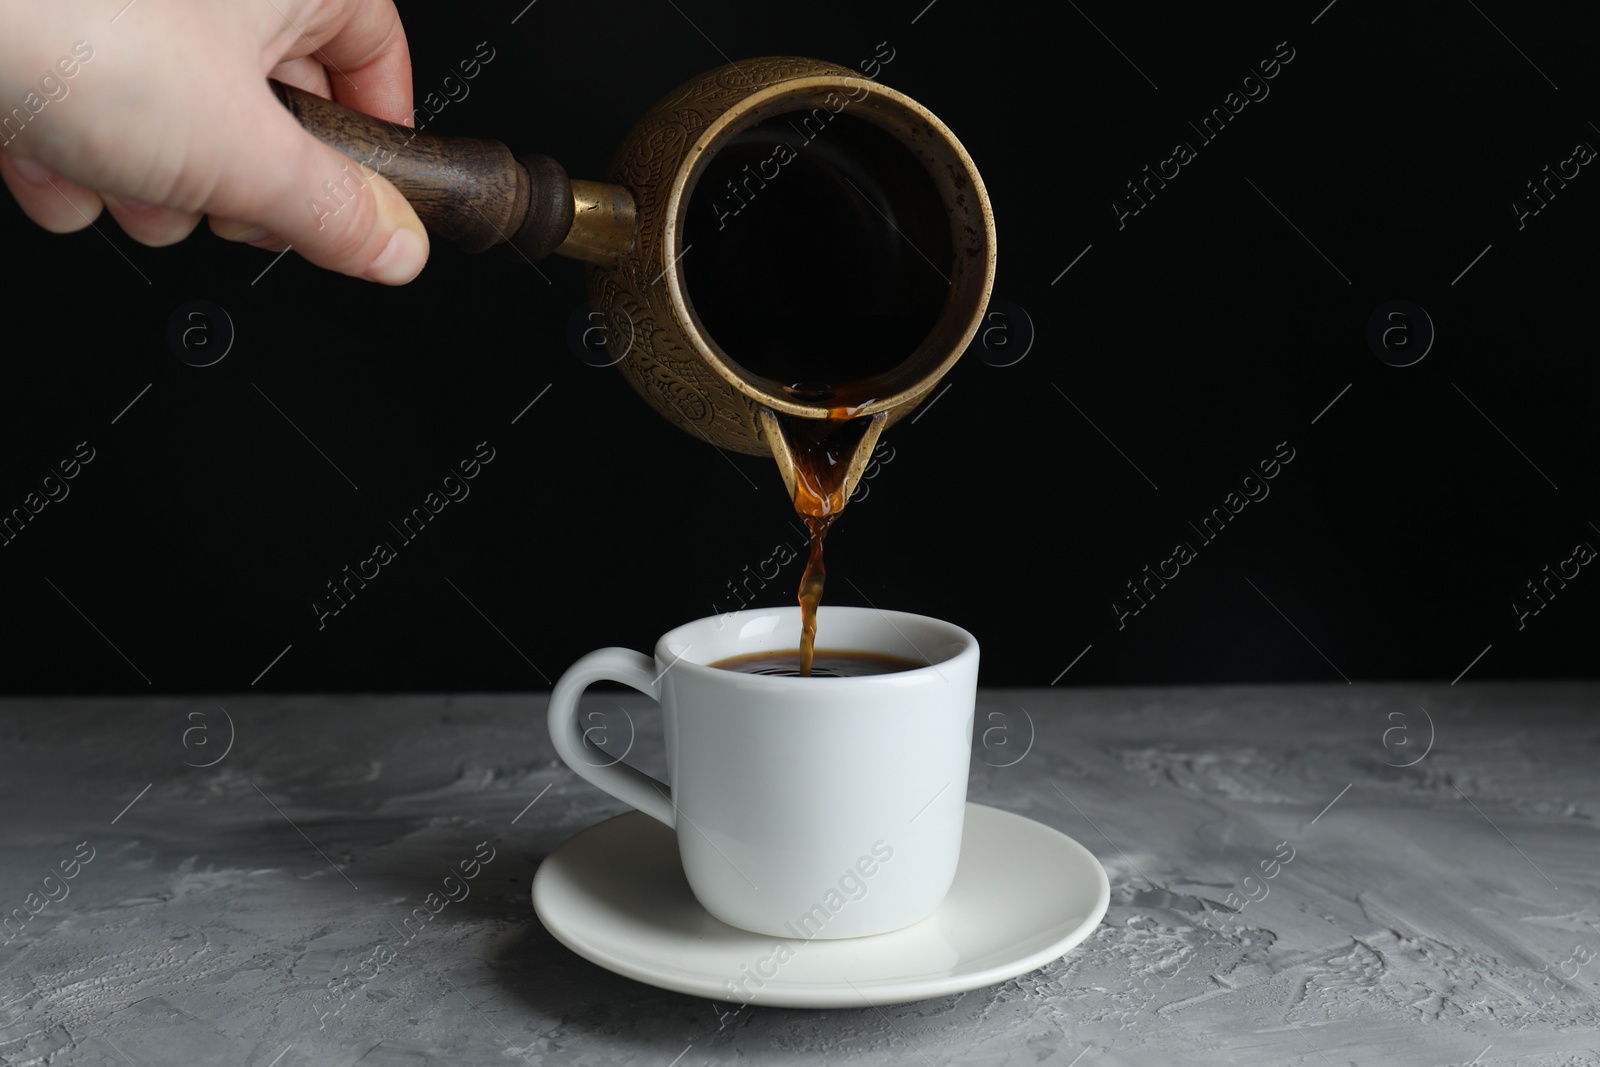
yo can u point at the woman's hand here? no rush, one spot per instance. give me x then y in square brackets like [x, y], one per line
[160, 113]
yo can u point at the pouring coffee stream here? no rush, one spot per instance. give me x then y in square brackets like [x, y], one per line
[789, 255]
[821, 463]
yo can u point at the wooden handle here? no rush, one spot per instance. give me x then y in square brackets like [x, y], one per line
[474, 194]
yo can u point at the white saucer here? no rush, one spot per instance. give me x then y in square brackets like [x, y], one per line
[1024, 894]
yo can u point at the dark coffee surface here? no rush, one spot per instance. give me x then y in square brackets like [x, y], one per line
[825, 663]
[819, 253]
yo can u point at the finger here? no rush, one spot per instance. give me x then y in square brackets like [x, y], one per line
[47, 198]
[368, 59]
[305, 72]
[333, 211]
[150, 224]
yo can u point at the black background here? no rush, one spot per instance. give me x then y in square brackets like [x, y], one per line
[1196, 338]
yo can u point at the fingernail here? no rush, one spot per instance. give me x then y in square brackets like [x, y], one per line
[31, 172]
[229, 230]
[401, 259]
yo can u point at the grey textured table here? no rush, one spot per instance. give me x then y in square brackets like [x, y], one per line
[1424, 914]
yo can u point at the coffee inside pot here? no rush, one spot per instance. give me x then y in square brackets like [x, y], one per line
[817, 260]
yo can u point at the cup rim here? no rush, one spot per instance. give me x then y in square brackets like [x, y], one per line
[676, 638]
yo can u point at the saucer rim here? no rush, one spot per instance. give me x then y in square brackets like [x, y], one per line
[871, 993]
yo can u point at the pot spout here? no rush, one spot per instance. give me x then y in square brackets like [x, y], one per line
[783, 452]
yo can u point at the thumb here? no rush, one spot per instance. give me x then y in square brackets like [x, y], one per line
[334, 211]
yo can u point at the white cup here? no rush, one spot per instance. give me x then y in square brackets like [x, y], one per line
[804, 807]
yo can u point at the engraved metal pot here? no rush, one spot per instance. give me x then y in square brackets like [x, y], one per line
[631, 228]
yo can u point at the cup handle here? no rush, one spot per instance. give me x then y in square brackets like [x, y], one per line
[632, 787]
